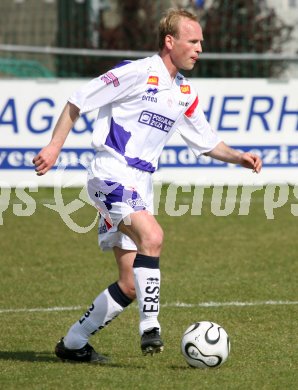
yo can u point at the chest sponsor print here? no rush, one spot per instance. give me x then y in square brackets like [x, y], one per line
[183, 104]
[157, 121]
[185, 89]
[153, 80]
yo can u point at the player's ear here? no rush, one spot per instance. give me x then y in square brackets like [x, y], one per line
[169, 41]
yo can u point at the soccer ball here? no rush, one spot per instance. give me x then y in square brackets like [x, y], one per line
[205, 344]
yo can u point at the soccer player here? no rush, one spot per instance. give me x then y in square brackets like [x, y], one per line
[141, 104]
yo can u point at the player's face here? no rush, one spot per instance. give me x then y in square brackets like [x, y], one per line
[186, 48]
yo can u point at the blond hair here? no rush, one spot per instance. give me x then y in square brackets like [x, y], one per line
[169, 24]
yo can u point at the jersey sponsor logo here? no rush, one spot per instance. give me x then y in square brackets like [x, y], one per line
[138, 202]
[159, 122]
[153, 80]
[150, 92]
[149, 98]
[185, 89]
[192, 107]
[183, 104]
[104, 227]
[109, 78]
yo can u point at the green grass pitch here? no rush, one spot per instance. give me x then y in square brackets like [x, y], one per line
[245, 264]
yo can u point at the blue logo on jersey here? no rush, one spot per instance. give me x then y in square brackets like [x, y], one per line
[151, 91]
[157, 121]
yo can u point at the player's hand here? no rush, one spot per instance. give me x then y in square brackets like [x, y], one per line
[251, 161]
[45, 159]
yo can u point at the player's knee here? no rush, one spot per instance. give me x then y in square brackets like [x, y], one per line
[158, 238]
[152, 242]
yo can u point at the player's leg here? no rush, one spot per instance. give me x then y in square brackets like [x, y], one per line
[143, 228]
[147, 234]
[125, 260]
[106, 306]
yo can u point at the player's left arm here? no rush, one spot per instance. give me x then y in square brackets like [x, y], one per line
[225, 153]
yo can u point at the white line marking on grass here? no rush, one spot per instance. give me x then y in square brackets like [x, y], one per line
[222, 304]
[173, 305]
[41, 309]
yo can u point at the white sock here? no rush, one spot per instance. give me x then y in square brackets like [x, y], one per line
[107, 306]
[147, 284]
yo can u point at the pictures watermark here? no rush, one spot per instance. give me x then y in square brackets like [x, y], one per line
[172, 199]
[224, 201]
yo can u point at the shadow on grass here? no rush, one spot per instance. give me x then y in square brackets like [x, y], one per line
[49, 357]
[28, 356]
[182, 368]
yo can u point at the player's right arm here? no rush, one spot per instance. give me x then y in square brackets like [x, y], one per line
[107, 88]
[47, 157]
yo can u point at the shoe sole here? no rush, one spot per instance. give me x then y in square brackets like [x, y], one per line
[151, 350]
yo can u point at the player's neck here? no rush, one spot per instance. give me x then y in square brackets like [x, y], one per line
[172, 69]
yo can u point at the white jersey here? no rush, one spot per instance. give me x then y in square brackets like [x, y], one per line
[140, 107]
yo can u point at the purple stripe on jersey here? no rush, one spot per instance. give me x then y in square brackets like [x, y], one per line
[122, 63]
[122, 194]
[105, 193]
[117, 137]
[140, 164]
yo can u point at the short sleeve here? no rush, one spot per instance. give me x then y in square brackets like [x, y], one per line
[107, 88]
[196, 130]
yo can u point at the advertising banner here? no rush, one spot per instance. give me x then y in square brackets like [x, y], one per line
[249, 114]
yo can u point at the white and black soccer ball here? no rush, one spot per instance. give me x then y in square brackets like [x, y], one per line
[205, 344]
